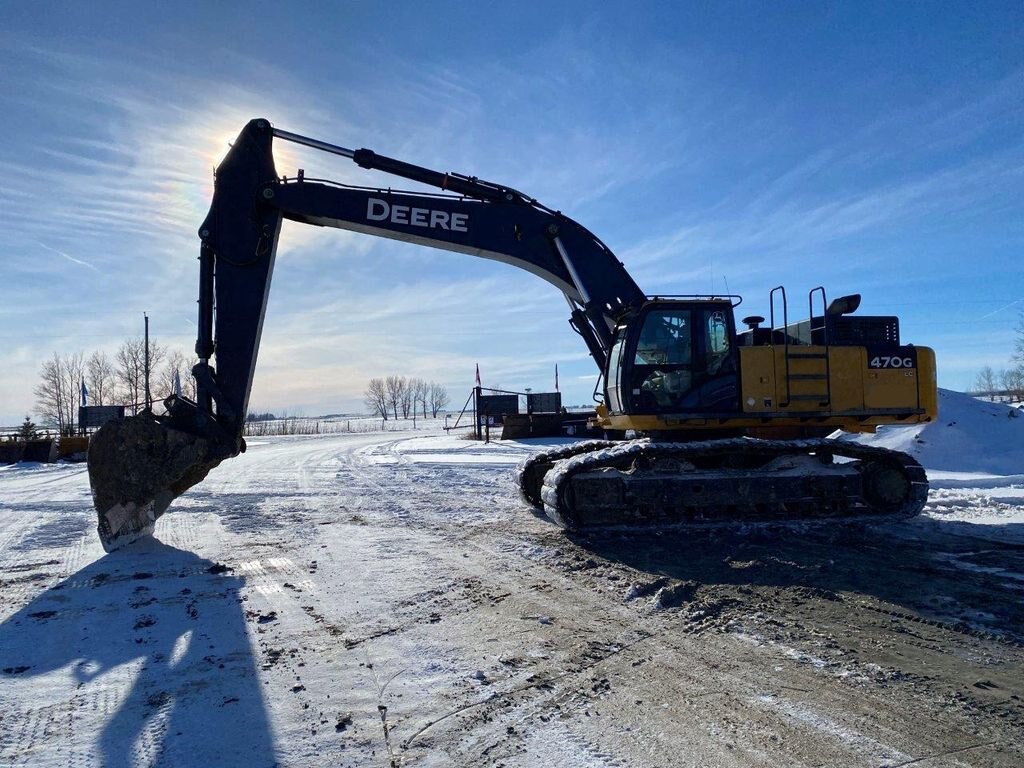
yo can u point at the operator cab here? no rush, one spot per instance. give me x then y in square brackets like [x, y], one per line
[675, 356]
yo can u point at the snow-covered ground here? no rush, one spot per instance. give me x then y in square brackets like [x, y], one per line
[974, 454]
[386, 599]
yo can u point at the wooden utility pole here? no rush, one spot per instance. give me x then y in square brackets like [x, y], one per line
[149, 397]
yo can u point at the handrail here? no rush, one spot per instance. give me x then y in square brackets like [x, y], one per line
[785, 332]
[824, 335]
[810, 309]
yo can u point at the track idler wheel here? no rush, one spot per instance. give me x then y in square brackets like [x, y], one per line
[886, 486]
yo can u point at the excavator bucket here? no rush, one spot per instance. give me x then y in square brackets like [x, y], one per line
[137, 467]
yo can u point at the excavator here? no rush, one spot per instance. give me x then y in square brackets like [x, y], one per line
[704, 422]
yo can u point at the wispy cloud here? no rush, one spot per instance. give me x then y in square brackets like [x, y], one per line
[1011, 305]
[795, 225]
[69, 257]
[692, 175]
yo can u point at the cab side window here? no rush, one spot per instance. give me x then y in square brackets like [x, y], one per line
[717, 340]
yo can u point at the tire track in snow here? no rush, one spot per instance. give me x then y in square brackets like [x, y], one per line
[469, 511]
[45, 507]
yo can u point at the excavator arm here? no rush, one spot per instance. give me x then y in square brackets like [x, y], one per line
[240, 236]
[138, 466]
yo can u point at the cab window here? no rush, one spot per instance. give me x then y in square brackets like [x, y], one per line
[717, 340]
[665, 339]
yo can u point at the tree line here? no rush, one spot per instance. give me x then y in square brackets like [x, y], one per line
[117, 380]
[1008, 381]
[393, 395]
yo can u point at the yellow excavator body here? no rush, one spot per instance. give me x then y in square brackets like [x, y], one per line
[787, 388]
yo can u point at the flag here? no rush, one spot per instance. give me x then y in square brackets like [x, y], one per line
[478, 374]
[556, 377]
[84, 392]
[177, 384]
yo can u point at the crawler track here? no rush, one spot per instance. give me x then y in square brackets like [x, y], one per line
[530, 473]
[737, 480]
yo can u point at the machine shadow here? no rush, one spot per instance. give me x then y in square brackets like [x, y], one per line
[157, 642]
[925, 566]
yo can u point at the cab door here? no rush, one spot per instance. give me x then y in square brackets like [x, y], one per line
[679, 358]
[613, 377]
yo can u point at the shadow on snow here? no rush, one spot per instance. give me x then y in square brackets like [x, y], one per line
[196, 697]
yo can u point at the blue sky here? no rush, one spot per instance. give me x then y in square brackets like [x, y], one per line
[870, 148]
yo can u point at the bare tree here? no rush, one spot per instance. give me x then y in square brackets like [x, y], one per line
[50, 393]
[1012, 379]
[99, 378]
[438, 398]
[425, 396]
[395, 386]
[376, 398]
[408, 406]
[58, 393]
[74, 376]
[1013, 382]
[176, 366]
[1018, 343]
[130, 371]
[419, 391]
[985, 384]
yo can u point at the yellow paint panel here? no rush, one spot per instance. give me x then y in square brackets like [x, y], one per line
[850, 387]
[888, 388]
[927, 382]
[847, 366]
[757, 380]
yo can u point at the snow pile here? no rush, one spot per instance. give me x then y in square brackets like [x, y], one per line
[970, 435]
